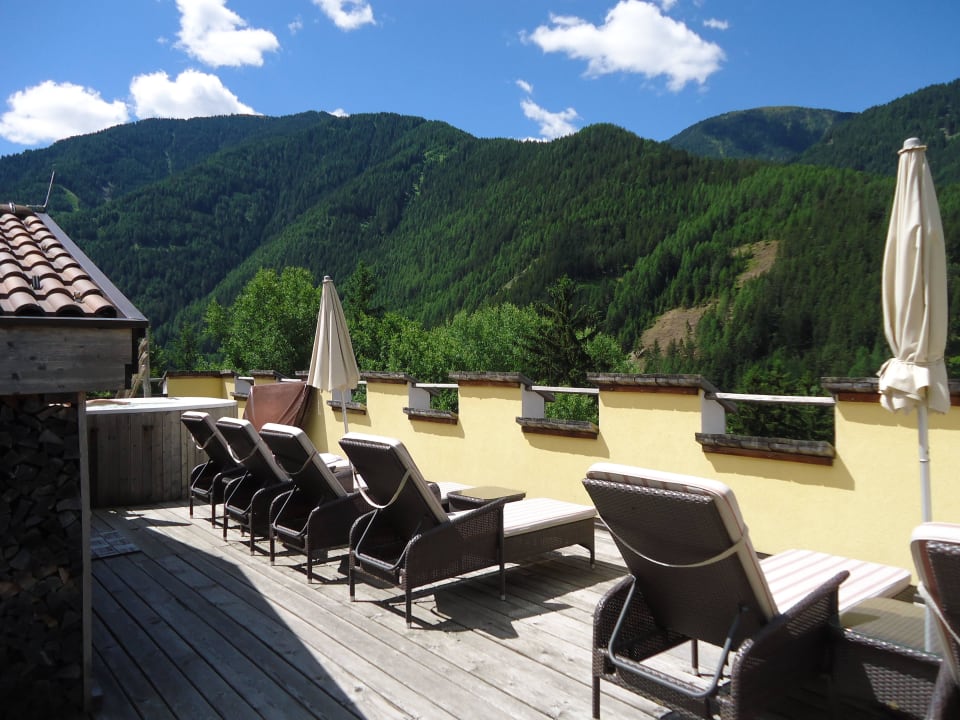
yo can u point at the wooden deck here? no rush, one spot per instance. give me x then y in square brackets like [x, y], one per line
[187, 625]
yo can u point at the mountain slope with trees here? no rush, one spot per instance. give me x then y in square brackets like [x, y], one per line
[448, 223]
[780, 134]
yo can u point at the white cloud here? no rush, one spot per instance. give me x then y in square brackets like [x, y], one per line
[295, 25]
[635, 38]
[525, 86]
[716, 24]
[340, 113]
[347, 14]
[192, 94]
[53, 111]
[552, 124]
[217, 36]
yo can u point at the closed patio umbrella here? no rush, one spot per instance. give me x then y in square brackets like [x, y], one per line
[915, 308]
[333, 366]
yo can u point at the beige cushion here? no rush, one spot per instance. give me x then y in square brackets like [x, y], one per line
[533, 514]
[791, 574]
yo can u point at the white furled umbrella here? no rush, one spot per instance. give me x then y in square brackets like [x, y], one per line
[915, 308]
[333, 366]
[915, 303]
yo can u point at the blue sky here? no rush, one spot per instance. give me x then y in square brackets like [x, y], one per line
[494, 68]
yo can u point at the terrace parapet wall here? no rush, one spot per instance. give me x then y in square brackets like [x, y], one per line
[856, 497]
[868, 389]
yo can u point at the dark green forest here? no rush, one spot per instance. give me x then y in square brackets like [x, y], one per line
[182, 213]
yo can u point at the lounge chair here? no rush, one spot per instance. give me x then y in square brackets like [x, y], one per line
[247, 499]
[694, 576]
[936, 554]
[408, 540]
[323, 506]
[208, 479]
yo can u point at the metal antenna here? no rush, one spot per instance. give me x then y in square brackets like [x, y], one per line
[53, 174]
[43, 208]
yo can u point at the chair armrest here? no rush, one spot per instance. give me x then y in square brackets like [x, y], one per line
[470, 541]
[790, 650]
[261, 501]
[640, 637]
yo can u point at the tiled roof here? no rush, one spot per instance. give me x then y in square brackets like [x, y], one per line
[40, 276]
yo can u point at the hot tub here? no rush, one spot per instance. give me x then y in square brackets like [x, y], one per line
[139, 451]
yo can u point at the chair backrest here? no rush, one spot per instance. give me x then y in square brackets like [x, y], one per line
[936, 554]
[282, 402]
[384, 462]
[249, 449]
[684, 540]
[208, 438]
[296, 454]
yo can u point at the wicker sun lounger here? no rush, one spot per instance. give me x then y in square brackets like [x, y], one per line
[694, 575]
[319, 512]
[408, 540]
[248, 498]
[207, 480]
[936, 554]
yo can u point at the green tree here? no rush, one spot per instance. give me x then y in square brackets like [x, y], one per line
[561, 353]
[271, 324]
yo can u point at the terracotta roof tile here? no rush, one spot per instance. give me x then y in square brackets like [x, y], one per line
[39, 276]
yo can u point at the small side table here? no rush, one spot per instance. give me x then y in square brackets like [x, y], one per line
[474, 497]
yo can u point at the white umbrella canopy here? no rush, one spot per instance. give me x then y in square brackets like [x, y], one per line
[915, 303]
[333, 366]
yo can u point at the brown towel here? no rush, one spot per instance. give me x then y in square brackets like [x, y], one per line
[282, 402]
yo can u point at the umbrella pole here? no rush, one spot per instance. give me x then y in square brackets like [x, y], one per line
[343, 409]
[924, 433]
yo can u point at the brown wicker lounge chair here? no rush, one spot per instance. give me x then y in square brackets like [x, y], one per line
[936, 553]
[247, 499]
[409, 540]
[694, 575]
[319, 512]
[207, 480]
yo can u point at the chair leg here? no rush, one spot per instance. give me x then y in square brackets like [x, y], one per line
[190, 493]
[224, 521]
[251, 534]
[596, 696]
[409, 594]
[309, 552]
[273, 547]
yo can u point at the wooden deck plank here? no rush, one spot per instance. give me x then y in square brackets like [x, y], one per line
[389, 646]
[468, 655]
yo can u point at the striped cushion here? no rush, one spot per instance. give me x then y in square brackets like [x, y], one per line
[791, 574]
[524, 516]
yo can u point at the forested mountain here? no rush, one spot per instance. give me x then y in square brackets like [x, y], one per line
[780, 134]
[181, 212]
[858, 141]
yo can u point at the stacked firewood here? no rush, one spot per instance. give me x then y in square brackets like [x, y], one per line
[41, 630]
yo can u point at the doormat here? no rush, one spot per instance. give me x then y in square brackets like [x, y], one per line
[109, 544]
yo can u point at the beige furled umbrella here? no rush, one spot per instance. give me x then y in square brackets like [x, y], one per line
[333, 366]
[915, 304]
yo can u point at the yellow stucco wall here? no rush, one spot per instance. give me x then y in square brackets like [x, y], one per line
[864, 505]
